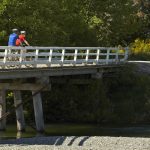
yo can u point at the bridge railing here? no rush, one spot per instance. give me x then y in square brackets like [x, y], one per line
[22, 57]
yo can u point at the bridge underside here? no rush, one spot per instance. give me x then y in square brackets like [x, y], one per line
[36, 68]
[40, 79]
[56, 71]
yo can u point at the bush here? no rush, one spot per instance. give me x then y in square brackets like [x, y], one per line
[140, 49]
[129, 94]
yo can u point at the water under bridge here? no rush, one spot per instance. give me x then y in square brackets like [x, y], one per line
[35, 68]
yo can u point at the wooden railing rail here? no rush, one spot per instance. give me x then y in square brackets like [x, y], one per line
[35, 57]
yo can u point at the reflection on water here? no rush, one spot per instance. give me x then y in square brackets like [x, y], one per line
[11, 133]
[2, 133]
[19, 135]
[77, 130]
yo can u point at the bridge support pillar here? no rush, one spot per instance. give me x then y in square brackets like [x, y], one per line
[2, 110]
[19, 111]
[38, 111]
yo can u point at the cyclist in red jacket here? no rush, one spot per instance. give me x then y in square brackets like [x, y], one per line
[21, 41]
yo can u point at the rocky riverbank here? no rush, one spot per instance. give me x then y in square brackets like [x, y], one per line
[76, 143]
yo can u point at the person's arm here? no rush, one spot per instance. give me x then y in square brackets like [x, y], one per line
[26, 42]
[20, 43]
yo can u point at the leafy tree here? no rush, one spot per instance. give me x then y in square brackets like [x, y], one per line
[144, 13]
[71, 22]
[48, 22]
[114, 21]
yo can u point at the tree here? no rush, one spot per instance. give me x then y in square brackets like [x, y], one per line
[114, 21]
[70, 22]
[57, 22]
[144, 13]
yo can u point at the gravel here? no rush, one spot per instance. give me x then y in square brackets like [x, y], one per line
[76, 143]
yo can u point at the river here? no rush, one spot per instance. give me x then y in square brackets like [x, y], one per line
[79, 130]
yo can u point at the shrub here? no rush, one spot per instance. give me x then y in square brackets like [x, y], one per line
[140, 49]
[140, 46]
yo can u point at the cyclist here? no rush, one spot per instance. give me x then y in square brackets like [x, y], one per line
[12, 42]
[21, 41]
[13, 37]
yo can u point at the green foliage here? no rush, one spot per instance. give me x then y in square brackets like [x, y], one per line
[122, 99]
[10, 104]
[118, 20]
[47, 22]
[76, 103]
[129, 94]
[70, 22]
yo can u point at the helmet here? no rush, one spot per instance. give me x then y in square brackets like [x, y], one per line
[23, 32]
[14, 30]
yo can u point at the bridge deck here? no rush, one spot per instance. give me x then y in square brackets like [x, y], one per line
[54, 71]
[24, 62]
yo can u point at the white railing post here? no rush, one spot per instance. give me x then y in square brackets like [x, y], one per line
[107, 57]
[97, 56]
[21, 57]
[5, 58]
[126, 54]
[75, 56]
[36, 57]
[50, 57]
[87, 56]
[117, 55]
[62, 57]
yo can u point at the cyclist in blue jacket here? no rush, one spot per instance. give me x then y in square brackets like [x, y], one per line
[12, 42]
[13, 37]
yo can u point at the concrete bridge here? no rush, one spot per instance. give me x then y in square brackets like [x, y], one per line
[34, 68]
